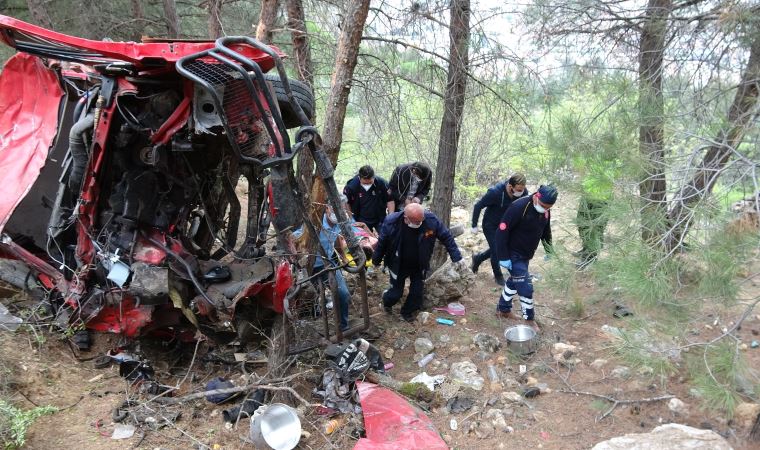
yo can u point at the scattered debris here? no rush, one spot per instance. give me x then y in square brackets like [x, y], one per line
[486, 342]
[466, 373]
[8, 322]
[459, 404]
[672, 435]
[453, 424]
[447, 322]
[426, 359]
[401, 342]
[564, 354]
[621, 311]
[216, 384]
[123, 431]
[531, 392]
[246, 408]
[454, 308]
[754, 344]
[423, 317]
[391, 422]
[430, 381]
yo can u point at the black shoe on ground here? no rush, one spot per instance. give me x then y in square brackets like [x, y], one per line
[408, 317]
[475, 263]
[388, 310]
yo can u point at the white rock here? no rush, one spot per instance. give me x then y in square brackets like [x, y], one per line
[511, 397]
[598, 364]
[620, 372]
[423, 346]
[465, 373]
[678, 407]
[672, 436]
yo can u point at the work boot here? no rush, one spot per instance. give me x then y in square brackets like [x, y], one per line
[475, 262]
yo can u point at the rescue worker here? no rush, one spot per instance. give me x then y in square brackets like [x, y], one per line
[369, 199]
[593, 209]
[526, 222]
[406, 244]
[496, 201]
[410, 183]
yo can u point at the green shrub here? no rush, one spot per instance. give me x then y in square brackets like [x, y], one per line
[15, 422]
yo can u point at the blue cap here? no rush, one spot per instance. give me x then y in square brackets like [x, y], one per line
[547, 194]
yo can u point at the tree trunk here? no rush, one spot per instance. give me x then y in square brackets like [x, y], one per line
[652, 186]
[171, 18]
[451, 125]
[215, 19]
[305, 68]
[346, 58]
[39, 13]
[138, 13]
[740, 117]
[340, 85]
[267, 19]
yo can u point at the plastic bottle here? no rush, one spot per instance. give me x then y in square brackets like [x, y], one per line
[426, 360]
[333, 425]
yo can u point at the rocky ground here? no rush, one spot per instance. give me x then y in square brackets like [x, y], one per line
[572, 393]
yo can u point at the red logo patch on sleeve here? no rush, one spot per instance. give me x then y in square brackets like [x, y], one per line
[503, 226]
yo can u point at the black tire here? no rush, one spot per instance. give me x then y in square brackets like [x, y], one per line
[302, 94]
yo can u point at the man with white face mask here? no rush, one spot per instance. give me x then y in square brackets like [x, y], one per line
[525, 223]
[496, 201]
[406, 244]
[369, 198]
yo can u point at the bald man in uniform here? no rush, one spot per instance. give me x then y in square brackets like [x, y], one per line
[406, 243]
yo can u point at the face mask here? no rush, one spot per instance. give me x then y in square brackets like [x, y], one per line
[539, 208]
[366, 186]
[518, 193]
[414, 225]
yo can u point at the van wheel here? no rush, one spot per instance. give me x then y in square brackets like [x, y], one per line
[302, 94]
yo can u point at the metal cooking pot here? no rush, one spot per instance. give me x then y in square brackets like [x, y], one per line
[276, 425]
[521, 339]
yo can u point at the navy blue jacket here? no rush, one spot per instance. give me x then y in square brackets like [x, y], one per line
[521, 229]
[389, 242]
[378, 197]
[496, 201]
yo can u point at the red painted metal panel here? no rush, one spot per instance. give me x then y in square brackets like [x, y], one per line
[29, 100]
